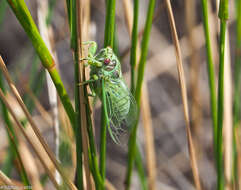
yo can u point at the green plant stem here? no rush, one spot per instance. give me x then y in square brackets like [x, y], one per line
[78, 135]
[237, 70]
[24, 17]
[93, 160]
[110, 23]
[211, 75]
[140, 169]
[109, 41]
[141, 69]
[223, 15]
[134, 40]
[237, 83]
[92, 151]
[220, 113]
[103, 133]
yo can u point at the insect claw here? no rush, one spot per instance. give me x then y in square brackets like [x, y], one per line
[92, 95]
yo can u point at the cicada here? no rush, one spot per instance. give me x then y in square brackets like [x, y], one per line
[105, 68]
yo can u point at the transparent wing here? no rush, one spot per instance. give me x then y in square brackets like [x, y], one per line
[121, 107]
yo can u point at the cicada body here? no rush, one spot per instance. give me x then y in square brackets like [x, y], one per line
[121, 105]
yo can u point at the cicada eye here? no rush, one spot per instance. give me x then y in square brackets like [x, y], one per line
[107, 61]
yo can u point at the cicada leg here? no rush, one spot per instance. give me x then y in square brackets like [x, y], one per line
[91, 61]
[90, 82]
[92, 48]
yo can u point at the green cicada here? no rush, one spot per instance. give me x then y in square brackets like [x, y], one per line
[105, 72]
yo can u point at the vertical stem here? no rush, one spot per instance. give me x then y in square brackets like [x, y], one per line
[109, 41]
[141, 69]
[83, 97]
[110, 23]
[134, 40]
[223, 15]
[78, 135]
[181, 76]
[237, 83]
[220, 110]
[211, 75]
[103, 132]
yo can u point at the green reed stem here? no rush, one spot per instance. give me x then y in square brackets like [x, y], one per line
[141, 69]
[211, 75]
[134, 40]
[237, 70]
[24, 17]
[78, 135]
[237, 83]
[223, 15]
[103, 132]
[140, 170]
[93, 160]
[109, 41]
[110, 23]
[99, 184]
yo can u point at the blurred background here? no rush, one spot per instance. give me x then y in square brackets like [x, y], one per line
[167, 119]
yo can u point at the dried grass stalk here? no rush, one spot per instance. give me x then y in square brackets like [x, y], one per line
[181, 75]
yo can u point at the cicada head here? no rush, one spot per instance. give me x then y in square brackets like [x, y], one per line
[108, 59]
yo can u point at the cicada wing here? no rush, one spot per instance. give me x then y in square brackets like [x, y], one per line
[132, 115]
[121, 106]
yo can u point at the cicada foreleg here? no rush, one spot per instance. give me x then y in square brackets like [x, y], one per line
[91, 54]
[92, 48]
[91, 61]
[90, 82]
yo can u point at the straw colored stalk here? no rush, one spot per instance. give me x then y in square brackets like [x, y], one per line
[45, 34]
[109, 185]
[5, 179]
[228, 121]
[26, 159]
[145, 109]
[82, 99]
[30, 165]
[181, 75]
[227, 117]
[2, 96]
[196, 107]
[33, 125]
